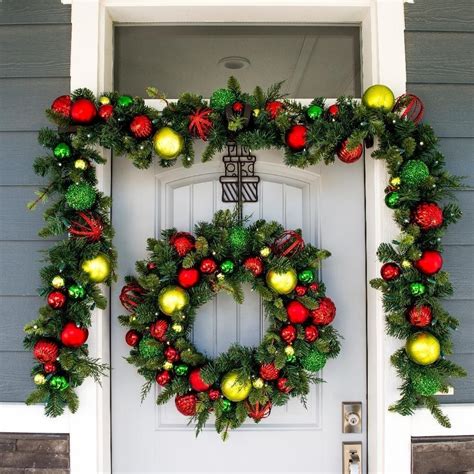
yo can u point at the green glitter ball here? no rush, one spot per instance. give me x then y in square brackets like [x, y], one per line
[62, 150]
[227, 266]
[414, 173]
[76, 291]
[426, 385]
[125, 101]
[314, 361]
[417, 289]
[221, 98]
[58, 382]
[314, 111]
[80, 196]
[148, 348]
[238, 238]
[306, 276]
[181, 369]
[392, 199]
[226, 405]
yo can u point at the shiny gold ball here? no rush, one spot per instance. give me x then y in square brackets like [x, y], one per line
[396, 182]
[80, 164]
[379, 97]
[258, 383]
[172, 299]
[282, 283]
[406, 264]
[256, 112]
[423, 348]
[39, 379]
[168, 365]
[233, 389]
[289, 351]
[97, 268]
[177, 327]
[58, 282]
[104, 100]
[265, 252]
[167, 143]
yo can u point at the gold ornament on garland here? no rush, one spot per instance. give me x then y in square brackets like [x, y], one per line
[172, 299]
[379, 97]
[423, 348]
[283, 283]
[167, 143]
[39, 379]
[233, 388]
[98, 268]
[58, 282]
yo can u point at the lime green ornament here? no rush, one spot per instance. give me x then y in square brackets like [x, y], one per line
[226, 405]
[306, 276]
[314, 361]
[414, 173]
[238, 238]
[314, 111]
[227, 266]
[39, 379]
[76, 292]
[221, 98]
[62, 150]
[149, 348]
[125, 101]
[80, 196]
[417, 289]
[426, 385]
[181, 369]
[59, 383]
[392, 199]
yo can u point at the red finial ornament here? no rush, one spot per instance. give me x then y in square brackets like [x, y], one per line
[199, 123]
[257, 412]
[88, 225]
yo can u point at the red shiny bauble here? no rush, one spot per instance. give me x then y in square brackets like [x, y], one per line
[237, 107]
[314, 287]
[297, 312]
[208, 265]
[171, 354]
[269, 371]
[295, 137]
[428, 215]
[62, 105]
[288, 244]
[83, 111]
[333, 110]
[141, 126]
[300, 290]
[150, 266]
[282, 384]
[105, 112]
[182, 242]
[188, 277]
[325, 313]
[158, 330]
[56, 299]
[254, 265]
[196, 382]
[132, 338]
[420, 316]
[311, 333]
[390, 271]
[73, 336]
[274, 108]
[349, 156]
[288, 333]
[214, 394]
[186, 404]
[50, 367]
[430, 262]
[45, 351]
[163, 378]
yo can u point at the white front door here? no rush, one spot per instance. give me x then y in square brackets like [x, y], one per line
[327, 203]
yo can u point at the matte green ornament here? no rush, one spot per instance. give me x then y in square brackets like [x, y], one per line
[314, 111]
[306, 276]
[149, 348]
[221, 98]
[417, 289]
[62, 150]
[80, 196]
[392, 199]
[125, 101]
[238, 238]
[59, 383]
[226, 405]
[181, 369]
[227, 266]
[414, 173]
[426, 385]
[76, 291]
[314, 361]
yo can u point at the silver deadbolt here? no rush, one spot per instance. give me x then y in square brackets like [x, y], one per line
[352, 458]
[352, 417]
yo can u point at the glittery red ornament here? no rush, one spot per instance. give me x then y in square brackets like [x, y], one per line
[132, 338]
[282, 384]
[50, 367]
[171, 354]
[105, 112]
[258, 411]
[73, 336]
[141, 126]
[269, 371]
[300, 290]
[420, 316]
[333, 110]
[87, 225]
[186, 404]
[254, 265]
[428, 215]
[208, 265]
[430, 262]
[297, 312]
[295, 137]
[158, 330]
[390, 271]
[83, 111]
[188, 277]
[237, 107]
[56, 299]
[311, 333]
[314, 287]
[214, 394]
[183, 243]
[150, 266]
[199, 123]
[410, 107]
[349, 156]
[45, 351]
[131, 296]
[62, 105]
[288, 333]
[274, 108]
[288, 244]
[325, 313]
[163, 378]
[196, 381]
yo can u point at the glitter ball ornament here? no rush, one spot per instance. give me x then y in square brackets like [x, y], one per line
[325, 313]
[314, 111]
[172, 299]
[62, 150]
[81, 164]
[183, 243]
[39, 379]
[297, 312]
[50, 367]
[238, 239]
[62, 105]
[311, 333]
[288, 333]
[426, 385]
[282, 283]
[196, 381]
[45, 351]
[86, 225]
[333, 110]
[171, 354]
[406, 264]
[234, 387]
[395, 182]
[76, 291]
[214, 394]
[254, 265]
[73, 335]
[274, 108]
[392, 199]
[167, 143]
[186, 404]
[295, 137]
[420, 316]
[208, 265]
[390, 271]
[163, 378]
[188, 277]
[227, 267]
[430, 262]
[141, 126]
[269, 371]
[200, 123]
[417, 289]
[59, 383]
[349, 156]
[428, 216]
[314, 360]
[105, 112]
[181, 369]
[380, 97]
[98, 268]
[158, 330]
[306, 276]
[148, 348]
[132, 338]
[221, 98]
[265, 252]
[282, 385]
[258, 383]
[56, 299]
[83, 111]
[80, 196]
[423, 348]
[58, 282]
[300, 290]
[414, 173]
[125, 101]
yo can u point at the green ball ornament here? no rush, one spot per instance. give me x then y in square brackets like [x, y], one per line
[226, 405]
[414, 173]
[291, 358]
[227, 266]
[222, 98]
[238, 238]
[314, 111]
[314, 361]
[425, 385]
[181, 369]
[80, 196]
[76, 292]
[417, 289]
[306, 276]
[125, 101]
[148, 348]
[380, 97]
[62, 150]
[59, 383]
[392, 199]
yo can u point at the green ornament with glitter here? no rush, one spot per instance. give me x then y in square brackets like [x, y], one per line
[148, 348]
[414, 173]
[221, 98]
[62, 150]
[426, 385]
[80, 196]
[314, 361]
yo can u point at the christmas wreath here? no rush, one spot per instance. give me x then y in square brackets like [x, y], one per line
[419, 191]
[185, 271]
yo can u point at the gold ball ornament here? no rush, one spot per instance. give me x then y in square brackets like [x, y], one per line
[258, 383]
[406, 264]
[172, 299]
[395, 182]
[379, 97]
[256, 112]
[80, 164]
[282, 283]
[265, 252]
[177, 327]
[58, 282]
[167, 143]
[168, 365]
[104, 100]
[289, 351]
[233, 389]
[423, 348]
[98, 268]
[39, 379]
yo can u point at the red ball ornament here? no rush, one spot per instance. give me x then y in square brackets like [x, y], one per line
[274, 108]
[105, 112]
[188, 277]
[282, 384]
[430, 262]
[131, 296]
[171, 354]
[237, 107]
[296, 137]
[87, 225]
[254, 265]
[208, 265]
[45, 351]
[288, 244]
[269, 371]
[333, 110]
[186, 404]
[314, 287]
[83, 111]
[199, 123]
[390, 271]
[311, 333]
[420, 316]
[297, 312]
[409, 107]
[73, 336]
[163, 378]
[300, 290]
[325, 313]
[288, 333]
[349, 156]
[56, 299]
[132, 338]
[141, 126]
[428, 215]
[158, 330]
[182, 242]
[196, 382]
[62, 105]
[150, 266]
[214, 394]
[50, 367]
